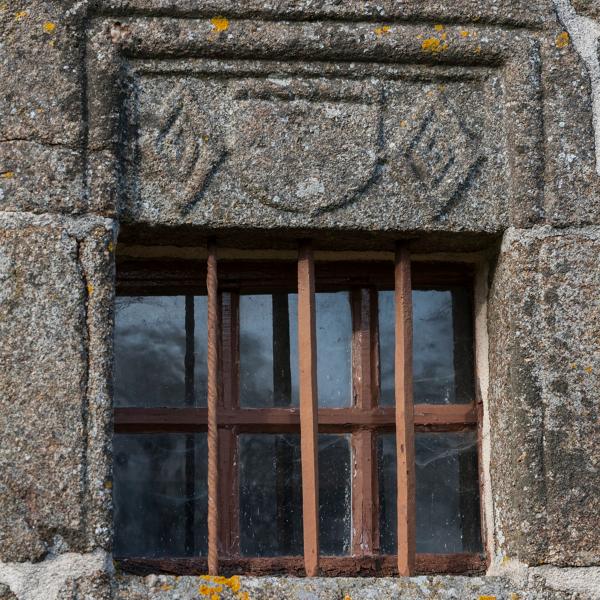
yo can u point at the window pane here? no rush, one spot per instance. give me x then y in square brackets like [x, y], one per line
[268, 350]
[447, 502]
[334, 347]
[200, 350]
[335, 504]
[387, 348]
[160, 494]
[270, 495]
[149, 351]
[442, 346]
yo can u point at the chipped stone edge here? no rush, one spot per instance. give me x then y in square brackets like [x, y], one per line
[585, 33]
[44, 580]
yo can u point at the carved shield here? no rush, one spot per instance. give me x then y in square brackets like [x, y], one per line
[305, 146]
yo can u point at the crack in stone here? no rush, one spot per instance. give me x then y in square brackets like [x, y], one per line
[584, 33]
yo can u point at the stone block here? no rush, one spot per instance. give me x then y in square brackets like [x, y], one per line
[53, 410]
[544, 326]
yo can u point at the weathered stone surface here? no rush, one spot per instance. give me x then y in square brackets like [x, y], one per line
[544, 331]
[49, 401]
[6, 593]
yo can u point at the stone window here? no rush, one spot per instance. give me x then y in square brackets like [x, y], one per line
[311, 358]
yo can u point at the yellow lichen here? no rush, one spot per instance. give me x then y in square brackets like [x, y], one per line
[464, 33]
[438, 27]
[49, 27]
[514, 596]
[90, 289]
[7, 175]
[433, 45]
[487, 597]
[347, 597]
[220, 23]
[166, 587]
[403, 123]
[21, 15]
[379, 31]
[573, 365]
[110, 247]
[209, 590]
[478, 50]
[108, 485]
[444, 36]
[588, 370]
[562, 39]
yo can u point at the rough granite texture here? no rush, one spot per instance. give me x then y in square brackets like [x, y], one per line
[472, 124]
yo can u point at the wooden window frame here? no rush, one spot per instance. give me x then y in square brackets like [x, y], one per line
[224, 419]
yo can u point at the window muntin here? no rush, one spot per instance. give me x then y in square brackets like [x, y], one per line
[366, 419]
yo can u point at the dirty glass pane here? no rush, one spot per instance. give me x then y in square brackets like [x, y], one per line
[442, 346]
[335, 509]
[149, 351]
[387, 341]
[200, 351]
[268, 350]
[447, 502]
[334, 349]
[160, 494]
[270, 495]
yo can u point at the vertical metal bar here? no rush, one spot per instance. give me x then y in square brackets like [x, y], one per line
[213, 393]
[190, 457]
[365, 530]
[307, 351]
[405, 443]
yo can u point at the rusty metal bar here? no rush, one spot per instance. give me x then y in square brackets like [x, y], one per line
[405, 443]
[213, 393]
[307, 351]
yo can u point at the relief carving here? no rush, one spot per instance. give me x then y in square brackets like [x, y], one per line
[305, 145]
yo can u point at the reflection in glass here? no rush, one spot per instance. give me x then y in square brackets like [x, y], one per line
[160, 494]
[335, 511]
[268, 350]
[154, 341]
[334, 349]
[149, 351]
[387, 341]
[447, 502]
[442, 346]
[270, 495]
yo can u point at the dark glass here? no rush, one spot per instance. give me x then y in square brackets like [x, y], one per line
[155, 338]
[335, 497]
[268, 350]
[270, 495]
[200, 391]
[160, 494]
[442, 346]
[387, 347]
[334, 349]
[447, 493]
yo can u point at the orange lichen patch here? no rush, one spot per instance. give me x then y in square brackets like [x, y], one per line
[21, 15]
[478, 50]
[444, 36]
[90, 289]
[165, 587]
[464, 33]
[438, 27]
[218, 583]
[487, 597]
[220, 23]
[588, 370]
[7, 175]
[562, 39]
[433, 45]
[379, 31]
[514, 596]
[210, 591]
[347, 597]
[49, 27]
